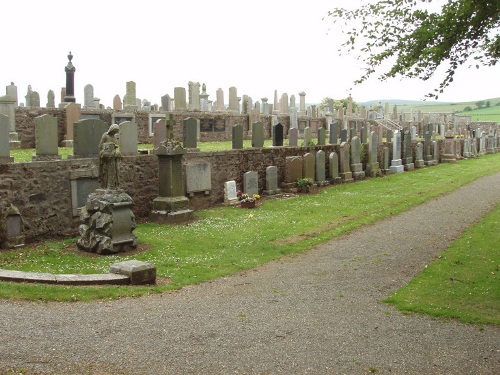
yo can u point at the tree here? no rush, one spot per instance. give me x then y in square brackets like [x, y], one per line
[480, 104]
[336, 103]
[415, 41]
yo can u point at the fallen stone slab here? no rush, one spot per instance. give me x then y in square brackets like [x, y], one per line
[64, 279]
[138, 272]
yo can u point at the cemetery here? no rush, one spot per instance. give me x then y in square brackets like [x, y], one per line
[49, 196]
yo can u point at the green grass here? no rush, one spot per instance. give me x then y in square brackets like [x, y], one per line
[227, 240]
[464, 282]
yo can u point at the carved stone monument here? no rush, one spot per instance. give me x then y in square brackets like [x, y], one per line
[171, 205]
[108, 220]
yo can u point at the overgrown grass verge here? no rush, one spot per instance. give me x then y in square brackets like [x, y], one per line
[227, 240]
[464, 282]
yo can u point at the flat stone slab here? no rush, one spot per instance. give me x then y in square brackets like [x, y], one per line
[138, 272]
[63, 279]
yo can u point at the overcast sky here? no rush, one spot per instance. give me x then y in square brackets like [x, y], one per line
[257, 46]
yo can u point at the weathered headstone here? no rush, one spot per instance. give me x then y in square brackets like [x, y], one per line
[389, 136]
[160, 132]
[345, 171]
[356, 166]
[50, 99]
[320, 167]
[321, 136]
[334, 129]
[364, 134]
[278, 135]
[293, 136]
[396, 162]
[257, 134]
[372, 167]
[4, 140]
[191, 126]
[419, 159]
[307, 137]
[87, 135]
[251, 183]
[293, 168]
[46, 138]
[333, 167]
[386, 168]
[309, 164]
[272, 181]
[165, 103]
[11, 227]
[198, 178]
[88, 96]
[180, 103]
[230, 193]
[130, 99]
[343, 135]
[237, 136]
[128, 138]
[407, 152]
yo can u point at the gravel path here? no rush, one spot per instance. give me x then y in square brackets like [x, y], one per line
[315, 313]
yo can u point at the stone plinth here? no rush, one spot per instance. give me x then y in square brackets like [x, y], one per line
[108, 223]
[171, 205]
[138, 272]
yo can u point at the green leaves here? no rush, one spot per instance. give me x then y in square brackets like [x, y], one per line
[416, 41]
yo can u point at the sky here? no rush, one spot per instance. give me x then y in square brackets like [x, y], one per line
[256, 46]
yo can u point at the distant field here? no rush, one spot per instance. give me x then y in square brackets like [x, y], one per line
[491, 113]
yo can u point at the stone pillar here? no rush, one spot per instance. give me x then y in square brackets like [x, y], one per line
[171, 205]
[302, 108]
[70, 81]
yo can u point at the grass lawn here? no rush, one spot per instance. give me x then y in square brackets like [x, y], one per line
[464, 283]
[226, 240]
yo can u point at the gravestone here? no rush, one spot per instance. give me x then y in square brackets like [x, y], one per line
[230, 192]
[307, 137]
[251, 183]
[407, 152]
[198, 178]
[160, 132]
[87, 135]
[88, 97]
[117, 103]
[334, 129]
[321, 136]
[293, 169]
[309, 167]
[389, 136]
[343, 135]
[396, 162]
[278, 135]
[345, 171]
[165, 103]
[333, 168]
[11, 227]
[180, 104]
[372, 167]
[191, 126]
[171, 205]
[4, 140]
[50, 99]
[419, 156]
[11, 91]
[467, 148]
[271, 181]
[293, 136]
[237, 136]
[428, 149]
[352, 134]
[128, 138]
[73, 114]
[435, 152]
[321, 168]
[257, 134]
[364, 134]
[7, 108]
[356, 166]
[46, 142]
[386, 168]
[130, 99]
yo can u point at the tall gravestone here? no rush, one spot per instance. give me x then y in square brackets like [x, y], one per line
[356, 166]
[333, 168]
[407, 152]
[343, 135]
[251, 183]
[237, 136]
[7, 108]
[117, 103]
[321, 136]
[386, 167]
[309, 166]
[278, 135]
[321, 168]
[257, 134]
[191, 126]
[419, 156]
[271, 181]
[50, 99]
[4, 140]
[46, 138]
[130, 99]
[396, 162]
[128, 138]
[171, 205]
[372, 167]
[293, 137]
[88, 96]
[344, 159]
[334, 129]
[160, 132]
[307, 137]
[69, 96]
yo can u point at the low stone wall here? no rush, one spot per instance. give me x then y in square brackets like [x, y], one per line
[48, 193]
